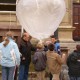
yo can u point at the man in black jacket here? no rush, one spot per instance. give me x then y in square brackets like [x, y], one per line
[25, 49]
[73, 63]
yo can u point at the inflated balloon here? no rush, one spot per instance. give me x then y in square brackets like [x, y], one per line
[40, 18]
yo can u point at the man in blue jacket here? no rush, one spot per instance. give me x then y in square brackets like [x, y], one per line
[56, 43]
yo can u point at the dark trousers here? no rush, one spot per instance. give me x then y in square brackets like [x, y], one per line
[74, 78]
[50, 76]
[16, 71]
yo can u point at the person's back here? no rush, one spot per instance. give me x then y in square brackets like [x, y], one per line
[39, 61]
[54, 62]
[73, 62]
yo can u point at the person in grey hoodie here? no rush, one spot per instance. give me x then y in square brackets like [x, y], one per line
[10, 57]
[39, 61]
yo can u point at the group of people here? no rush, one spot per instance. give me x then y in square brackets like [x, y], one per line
[13, 57]
[45, 56]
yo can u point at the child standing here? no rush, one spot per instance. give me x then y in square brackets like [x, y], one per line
[39, 61]
[54, 62]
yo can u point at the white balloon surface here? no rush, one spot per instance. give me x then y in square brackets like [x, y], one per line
[40, 18]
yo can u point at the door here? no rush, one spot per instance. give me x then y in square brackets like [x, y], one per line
[76, 21]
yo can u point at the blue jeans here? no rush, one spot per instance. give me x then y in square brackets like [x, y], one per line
[74, 78]
[8, 73]
[23, 72]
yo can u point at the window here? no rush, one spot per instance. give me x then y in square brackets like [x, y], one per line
[7, 1]
[76, 21]
[76, 1]
[7, 5]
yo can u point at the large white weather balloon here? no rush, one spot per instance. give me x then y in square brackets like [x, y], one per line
[40, 18]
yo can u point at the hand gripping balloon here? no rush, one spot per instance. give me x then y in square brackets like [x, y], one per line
[40, 18]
